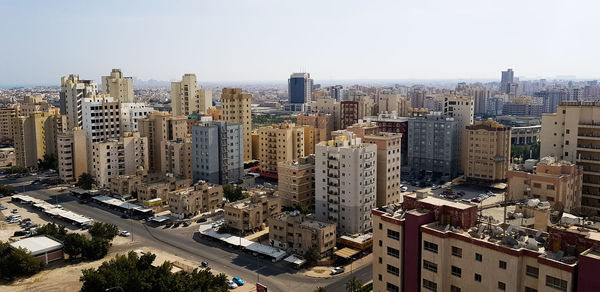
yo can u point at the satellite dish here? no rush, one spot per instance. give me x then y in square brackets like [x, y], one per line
[556, 212]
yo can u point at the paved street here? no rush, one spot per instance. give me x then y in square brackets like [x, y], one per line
[183, 242]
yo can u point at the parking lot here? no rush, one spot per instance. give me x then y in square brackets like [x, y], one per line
[470, 192]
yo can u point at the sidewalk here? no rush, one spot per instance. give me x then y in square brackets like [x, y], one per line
[323, 271]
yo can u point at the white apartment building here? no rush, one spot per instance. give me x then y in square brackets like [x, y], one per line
[101, 116]
[345, 182]
[131, 113]
[117, 86]
[72, 92]
[113, 157]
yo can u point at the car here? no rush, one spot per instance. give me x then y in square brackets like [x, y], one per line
[59, 207]
[124, 216]
[337, 270]
[238, 281]
[21, 233]
[15, 211]
[2, 207]
[201, 220]
[231, 284]
[125, 233]
[176, 224]
[186, 223]
[169, 224]
[435, 187]
[403, 189]
[204, 264]
[476, 200]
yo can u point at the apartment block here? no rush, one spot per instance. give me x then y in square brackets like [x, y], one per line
[461, 108]
[488, 156]
[119, 87]
[114, 157]
[573, 134]
[387, 103]
[348, 113]
[237, 108]
[72, 91]
[525, 135]
[295, 232]
[552, 181]
[158, 127]
[199, 198]
[317, 128]
[101, 117]
[7, 115]
[328, 106]
[251, 213]
[72, 154]
[33, 103]
[393, 123]
[176, 158]
[279, 143]
[159, 189]
[296, 182]
[388, 166]
[431, 244]
[187, 98]
[433, 146]
[345, 182]
[218, 152]
[131, 113]
[361, 129]
[35, 135]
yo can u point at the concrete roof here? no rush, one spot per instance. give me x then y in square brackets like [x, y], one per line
[38, 244]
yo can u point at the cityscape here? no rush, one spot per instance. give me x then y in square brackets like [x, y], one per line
[131, 179]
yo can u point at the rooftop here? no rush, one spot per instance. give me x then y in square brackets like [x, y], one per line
[440, 202]
[38, 244]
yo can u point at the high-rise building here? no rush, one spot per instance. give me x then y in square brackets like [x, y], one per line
[461, 109]
[187, 98]
[552, 181]
[131, 113]
[117, 86]
[35, 135]
[488, 154]
[573, 134]
[176, 158]
[279, 143]
[114, 157]
[72, 154]
[328, 106]
[72, 92]
[433, 146]
[7, 116]
[218, 152]
[101, 117]
[296, 182]
[345, 183]
[34, 103]
[506, 81]
[388, 166]
[237, 108]
[317, 128]
[348, 113]
[300, 88]
[417, 99]
[388, 103]
[158, 127]
[392, 123]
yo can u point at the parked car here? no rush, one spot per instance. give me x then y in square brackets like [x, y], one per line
[186, 223]
[476, 200]
[337, 270]
[238, 281]
[2, 207]
[21, 233]
[204, 264]
[201, 220]
[231, 284]
[124, 216]
[15, 211]
[403, 189]
[125, 233]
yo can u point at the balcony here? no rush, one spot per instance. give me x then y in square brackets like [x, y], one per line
[589, 136]
[592, 183]
[592, 125]
[588, 147]
[589, 159]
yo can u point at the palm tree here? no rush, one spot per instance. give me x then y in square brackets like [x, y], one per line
[353, 285]
[320, 289]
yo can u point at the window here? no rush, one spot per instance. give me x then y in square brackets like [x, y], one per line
[380, 277]
[380, 261]
[427, 265]
[393, 252]
[556, 283]
[457, 251]
[392, 288]
[501, 286]
[502, 265]
[477, 278]
[393, 270]
[430, 246]
[478, 257]
[393, 234]
[532, 271]
[550, 187]
[380, 226]
[528, 289]
[456, 271]
[432, 286]
[454, 288]
[537, 185]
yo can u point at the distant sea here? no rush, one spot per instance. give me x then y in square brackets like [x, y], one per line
[10, 86]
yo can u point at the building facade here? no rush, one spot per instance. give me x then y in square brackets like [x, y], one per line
[296, 182]
[300, 88]
[237, 108]
[176, 158]
[35, 135]
[114, 157]
[348, 113]
[461, 108]
[488, 155]
[72, 91]
[295, 232]
[72, 154]
[101, 117]
[119, 87]
[187, 98]
[251, 213]
[131, 113]
[199, 198]
[160, 127]
[279, 143]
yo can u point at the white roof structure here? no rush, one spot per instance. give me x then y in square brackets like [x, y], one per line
[38, 244]
[275, 253]
[116, 202]
[294, 260]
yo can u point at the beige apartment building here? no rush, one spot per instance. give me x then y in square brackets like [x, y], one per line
[187, 98]
[251, 213]
[279, 143]
[72, 154]
[160, 127]
[114, 157]
[126, 185]
[119, 87]
[35, 136]
[488, 152]
[34, 103]
[388, 103]
[7, 116]
[328, 106]
[176, 157]
[200, 198]
[160, 188]
[552, 181]
[296, 182]
[361, 129]
[255, 137]
[461, 108]
[573, 134]
[293, 231]
[237, 108]
[317, 128]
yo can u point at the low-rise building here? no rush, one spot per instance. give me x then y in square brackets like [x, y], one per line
[7, 157]
[296, 232]
[44, 248]
[251, 213]
[199, 198]
[160, 189]
[177, 157]
[296, 182]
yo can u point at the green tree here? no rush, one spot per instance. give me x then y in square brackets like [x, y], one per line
[74, 244]
[7, 190]
[103, 230]
[320, 289]
[312, 254]
[85, 181]
[353, 285]
[57, 231]
[95, 249]
[17, 262]
[50, 161]
[18, 169]
[233, 193]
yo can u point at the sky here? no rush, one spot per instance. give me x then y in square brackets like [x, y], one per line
[221, 41]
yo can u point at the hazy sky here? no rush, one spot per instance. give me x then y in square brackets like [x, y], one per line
[267, 40]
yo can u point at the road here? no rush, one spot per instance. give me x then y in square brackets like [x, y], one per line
[184, 242]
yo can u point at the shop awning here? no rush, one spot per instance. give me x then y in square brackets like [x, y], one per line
[346, 252]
